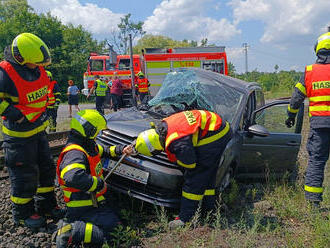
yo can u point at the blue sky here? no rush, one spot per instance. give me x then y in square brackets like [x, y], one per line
[281, 32]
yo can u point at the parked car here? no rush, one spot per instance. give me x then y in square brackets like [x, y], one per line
[261, 145]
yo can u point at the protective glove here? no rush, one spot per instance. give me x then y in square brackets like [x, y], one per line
[290, 122]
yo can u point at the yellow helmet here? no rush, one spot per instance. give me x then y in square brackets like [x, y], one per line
[323, 42]
[140, 74]
[29, 48]
[49, 74]
[88, 123]
[148, 143]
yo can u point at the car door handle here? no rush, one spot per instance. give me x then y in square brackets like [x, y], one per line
[292, 143]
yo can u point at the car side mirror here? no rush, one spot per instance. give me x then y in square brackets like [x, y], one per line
[258, 130]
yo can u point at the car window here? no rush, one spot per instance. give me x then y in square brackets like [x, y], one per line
[96, 65]
[184, 90]
[247, 112]
[273, 118]
[260, 100]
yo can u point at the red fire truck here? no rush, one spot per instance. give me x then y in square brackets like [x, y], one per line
[155, 63]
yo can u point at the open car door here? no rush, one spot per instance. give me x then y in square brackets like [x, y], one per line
[275, 154]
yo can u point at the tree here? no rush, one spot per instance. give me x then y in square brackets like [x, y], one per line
[231, 69]
[120, 39]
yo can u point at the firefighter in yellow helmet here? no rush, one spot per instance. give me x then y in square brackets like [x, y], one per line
[79, 172]
[194, 140]
[54, 100]
[23, 98]
[142, 86]
[315, 85]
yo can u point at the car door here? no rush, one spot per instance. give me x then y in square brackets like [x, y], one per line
[276, 153]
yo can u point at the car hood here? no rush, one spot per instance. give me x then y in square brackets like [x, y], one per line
[129, 121]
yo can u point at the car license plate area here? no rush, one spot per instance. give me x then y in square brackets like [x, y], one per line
[126, 171]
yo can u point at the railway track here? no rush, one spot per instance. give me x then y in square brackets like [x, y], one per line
[56, 142]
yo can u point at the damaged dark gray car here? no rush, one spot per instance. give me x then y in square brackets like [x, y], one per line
[261, 145]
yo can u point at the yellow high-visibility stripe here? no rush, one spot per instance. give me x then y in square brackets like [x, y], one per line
[20, 200]
[209, 192]
[156, 85]
[214, 137]
[3, 106]
[67, 193]
[203, 121]
[45, 189]
[94, 185]
[195, 138]
[300, 87]
[25, 134]
[83, 203]
[189, 166]
[309, 68]
[64, 229]
[319, 108]
[319, 99]
[71, 167]
[292, 110]
[88, 232]
[170, 138]
[151, 65]
[113, 151]
[32, 115]
[191, 196]
[313, 189]
[212, 122]
[6, 95]
[100, 149]
[37, 104]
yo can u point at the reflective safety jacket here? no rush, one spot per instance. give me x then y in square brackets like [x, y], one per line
[317, 83]
[95, 170]
[32, 96]
[142, 85]
[101, 88]
[197, 123]
[53, 95]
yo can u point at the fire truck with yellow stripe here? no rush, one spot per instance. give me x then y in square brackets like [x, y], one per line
[155, 63]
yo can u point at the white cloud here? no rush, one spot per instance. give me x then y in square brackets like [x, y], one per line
[234, 53]
[286, 21]
[97, 20]
[184, 19]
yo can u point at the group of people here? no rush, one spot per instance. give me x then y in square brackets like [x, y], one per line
[193, 139]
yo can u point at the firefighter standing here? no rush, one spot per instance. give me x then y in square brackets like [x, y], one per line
[315, 84]
[142, 86]
[194, 140]
[53, 102]
[100, 87]
[23, 89]
[79, 172]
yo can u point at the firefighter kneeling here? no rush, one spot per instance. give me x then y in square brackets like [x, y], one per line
[194, 140]
[79, 171]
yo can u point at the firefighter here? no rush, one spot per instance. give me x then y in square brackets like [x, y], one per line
[100, 87]
[79, 172]
[315, 85]
[194, 140]
[142, 85]
[53, 102]
[23, 89]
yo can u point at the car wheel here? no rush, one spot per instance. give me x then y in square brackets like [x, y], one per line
[226, 179]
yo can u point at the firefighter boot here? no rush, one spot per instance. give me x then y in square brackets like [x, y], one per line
[63, 235]
[55, 214]
[176, 223]
[33, 222]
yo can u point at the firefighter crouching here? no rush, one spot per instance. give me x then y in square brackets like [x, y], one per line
[23, 89]
[194, 140]
[315, 84]
[142, 85]
[53, 102]
[79, 171]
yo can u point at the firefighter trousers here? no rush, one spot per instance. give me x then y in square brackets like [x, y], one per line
[32, 174]
[103, 217]
[318, 146]
[52, 116]
[100, 100]
[199, 182]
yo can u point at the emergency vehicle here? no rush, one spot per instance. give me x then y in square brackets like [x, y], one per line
[155, 63]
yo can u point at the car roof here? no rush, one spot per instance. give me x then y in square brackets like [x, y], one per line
[229, 81]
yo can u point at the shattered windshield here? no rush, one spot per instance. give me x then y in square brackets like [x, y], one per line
[186, 89]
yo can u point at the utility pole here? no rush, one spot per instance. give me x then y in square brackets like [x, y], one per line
[132, 71]
[245, 48]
